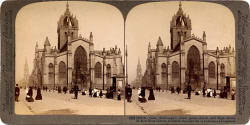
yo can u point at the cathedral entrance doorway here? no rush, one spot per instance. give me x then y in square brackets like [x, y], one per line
[80, 72]
[193, 68]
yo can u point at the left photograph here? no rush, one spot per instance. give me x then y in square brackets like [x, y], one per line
[69, 59]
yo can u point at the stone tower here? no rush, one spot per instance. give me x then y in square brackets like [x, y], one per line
[139, 70]
[26, 71]
[67, 27]
[179, 26]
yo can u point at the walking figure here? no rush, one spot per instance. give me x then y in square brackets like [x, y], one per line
[214, 94]
[76, 91]
[204, 92]
[29, 96]
[17, 92]
[90, 92]
[151, 94]
[118, 94]
[38, 94]
[129, 94]
[189, 89]
[233, 94]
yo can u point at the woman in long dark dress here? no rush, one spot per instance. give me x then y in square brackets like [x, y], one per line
[143, 95]
[38, 94]
[29, 95]
[151, 94]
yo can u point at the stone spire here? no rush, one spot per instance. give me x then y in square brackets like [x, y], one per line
[180, 5]
[67, 8]
[47, 43]
[139, 69]
[180, 11]
[149, 47]
[36, 48]
[204, 36]
[159, 42]
[26, 71]
[91, 37]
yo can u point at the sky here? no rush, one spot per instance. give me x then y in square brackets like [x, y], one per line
[36, 21]
[146, 22]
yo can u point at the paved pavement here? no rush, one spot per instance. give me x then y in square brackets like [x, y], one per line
[165, 104]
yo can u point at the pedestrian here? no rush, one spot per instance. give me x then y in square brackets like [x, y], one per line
[65, 89]
[143, 99]
[90, 92]
[76, 89]
[178, 89]
[172, 90]
[151, 94]
[83, 92]
[59, 89]
[129, 94]
[17, 93]
[204, 91]
[233, 94]
[38, 94]
[101, 94]
[29, 96]
[139, 94]
[94, 91]
[214, 94]
[118, 94]
[189, 89]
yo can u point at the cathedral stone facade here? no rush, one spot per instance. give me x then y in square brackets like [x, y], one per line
[188, 61]
[75, 61]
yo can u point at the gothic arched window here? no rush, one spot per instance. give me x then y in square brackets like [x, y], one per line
[51, 73]
[98, 70]
[163, 72]
[211, 69]
[164, 68]
[175, 70]
[51, 68]
[62, 70]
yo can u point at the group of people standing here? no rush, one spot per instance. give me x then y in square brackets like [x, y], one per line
[29, 94]
[141, 94]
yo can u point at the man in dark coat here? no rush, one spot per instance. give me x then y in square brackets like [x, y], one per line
[90, 92]
[17, 92]
[189, 89]
[76, 89]
[204, 92]
[151, 94]
[65, 89]
[39, 94]
[129, 94]
[178, 90]
[214, 94]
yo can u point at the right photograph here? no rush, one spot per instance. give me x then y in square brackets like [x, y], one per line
[180, 59]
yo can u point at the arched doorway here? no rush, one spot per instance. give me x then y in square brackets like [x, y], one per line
[193, 67]
[80, 72]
